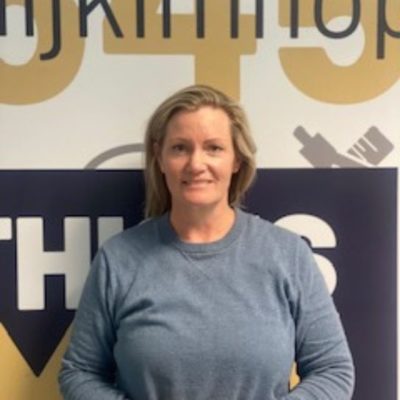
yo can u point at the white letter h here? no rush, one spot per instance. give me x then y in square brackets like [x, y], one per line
[33, 263]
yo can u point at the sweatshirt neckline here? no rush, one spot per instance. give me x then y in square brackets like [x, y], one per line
[169, 236]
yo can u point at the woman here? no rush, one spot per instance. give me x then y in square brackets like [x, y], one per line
[202, 300]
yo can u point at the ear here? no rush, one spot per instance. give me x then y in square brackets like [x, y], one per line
[157, 155]
[236, 165]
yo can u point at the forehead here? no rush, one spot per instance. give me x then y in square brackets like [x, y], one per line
[205, 120]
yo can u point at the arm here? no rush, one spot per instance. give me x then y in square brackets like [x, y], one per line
[323, 357]
[88, 367]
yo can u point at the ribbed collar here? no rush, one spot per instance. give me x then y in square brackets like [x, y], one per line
[169, 236]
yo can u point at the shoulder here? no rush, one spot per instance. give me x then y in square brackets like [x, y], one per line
[285, 252]
[141, 233]
[267, 234]
[133, 243]
[122, 258]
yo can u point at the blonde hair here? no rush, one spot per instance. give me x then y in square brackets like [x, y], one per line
[158, 198]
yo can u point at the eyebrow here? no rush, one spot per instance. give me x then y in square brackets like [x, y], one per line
[185, 139]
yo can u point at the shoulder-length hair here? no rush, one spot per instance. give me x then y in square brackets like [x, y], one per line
[158, 198]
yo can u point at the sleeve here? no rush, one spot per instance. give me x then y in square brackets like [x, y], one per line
[88, 366]
[324, 361]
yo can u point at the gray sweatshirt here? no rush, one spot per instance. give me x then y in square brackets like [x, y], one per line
[161, 319]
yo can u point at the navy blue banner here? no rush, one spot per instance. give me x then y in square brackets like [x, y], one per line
[358, 205]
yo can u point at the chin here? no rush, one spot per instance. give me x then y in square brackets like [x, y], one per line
[198, 202]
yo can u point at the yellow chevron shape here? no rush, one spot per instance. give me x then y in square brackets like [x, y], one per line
[18, 382]
[294, 378]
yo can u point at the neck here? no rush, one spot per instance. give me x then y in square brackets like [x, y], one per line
[199, 225]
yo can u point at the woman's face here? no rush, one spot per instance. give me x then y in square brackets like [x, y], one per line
[198, 159]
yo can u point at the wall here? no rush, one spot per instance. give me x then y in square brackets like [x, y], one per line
[78, 80]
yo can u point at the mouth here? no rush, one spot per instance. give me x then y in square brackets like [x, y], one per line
[197, 182]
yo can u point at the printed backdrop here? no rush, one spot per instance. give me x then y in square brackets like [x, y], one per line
[78, 80]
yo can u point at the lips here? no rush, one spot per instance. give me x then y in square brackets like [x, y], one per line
[197, 182]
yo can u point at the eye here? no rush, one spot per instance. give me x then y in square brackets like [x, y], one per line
[178, 148]
[215, 148]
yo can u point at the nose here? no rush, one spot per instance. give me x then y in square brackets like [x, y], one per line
[196, 162]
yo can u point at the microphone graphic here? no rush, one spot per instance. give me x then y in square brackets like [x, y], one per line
[320, 153]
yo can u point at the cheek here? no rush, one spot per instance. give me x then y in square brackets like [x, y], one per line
[170, 170]
[163, 163]
[234, 166]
